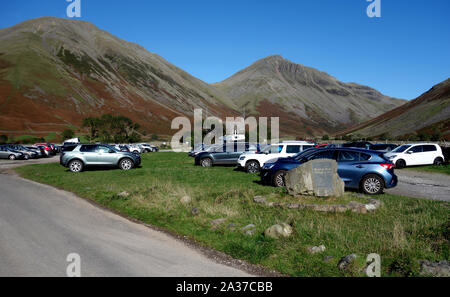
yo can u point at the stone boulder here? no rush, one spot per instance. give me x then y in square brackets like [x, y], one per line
[279, 230]
[315, 178]
[344, 262]
[437, 269]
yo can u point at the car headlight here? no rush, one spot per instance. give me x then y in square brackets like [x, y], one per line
[392, 157]
[242, 158]
[269, 166]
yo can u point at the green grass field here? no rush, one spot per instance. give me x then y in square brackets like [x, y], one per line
[403, 231]
[445, 169]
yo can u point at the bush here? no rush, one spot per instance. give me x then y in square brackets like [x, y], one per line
[68, 134]
[3, 139]
[325, 137]
[109, 128]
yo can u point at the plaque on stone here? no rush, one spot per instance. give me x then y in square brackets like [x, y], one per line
[322, 178]
[317, 177]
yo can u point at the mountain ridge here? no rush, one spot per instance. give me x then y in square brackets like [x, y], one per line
[429, 111]
[54, 72]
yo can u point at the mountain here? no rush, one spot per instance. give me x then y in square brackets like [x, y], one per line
[307, 99]
[55, 72]
[428, 112]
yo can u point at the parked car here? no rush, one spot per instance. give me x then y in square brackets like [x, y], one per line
[47, 147]
[85, 155]
[39, 151]
[136, 148]
[365, 170]
[383, 147]
[227, 154]
[357, 144]
[252, 162]
[28, 154]
[122, 147]
[416, 154]
[148, 148]
[199, 148]
[321, 145]
[8, 153]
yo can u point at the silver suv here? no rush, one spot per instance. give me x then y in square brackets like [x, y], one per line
[76, 158]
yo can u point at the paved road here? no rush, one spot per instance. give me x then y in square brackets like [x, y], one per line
[434, 186]
[40, 226]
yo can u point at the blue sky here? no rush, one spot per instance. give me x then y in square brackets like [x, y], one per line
[402, 54]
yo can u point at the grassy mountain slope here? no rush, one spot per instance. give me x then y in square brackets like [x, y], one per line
[320, 100]
[429, 111]
[54, 72]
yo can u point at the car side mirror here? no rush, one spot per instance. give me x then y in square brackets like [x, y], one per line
[112, 152]
[409, 152]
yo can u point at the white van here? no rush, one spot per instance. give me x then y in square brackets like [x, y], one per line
[416, 154]
[252, 162]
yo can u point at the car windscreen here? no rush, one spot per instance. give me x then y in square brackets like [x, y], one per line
[88, 148]
[274, 149]
[304, 153]
[68, 148]
[401, 148]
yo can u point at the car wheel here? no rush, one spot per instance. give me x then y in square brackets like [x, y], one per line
[126, 164]
[278, 179]
[76, 166]
[252, 167]
[438, 161]
[206, 162]
[12, 157]
[372, 185]
[400, 164]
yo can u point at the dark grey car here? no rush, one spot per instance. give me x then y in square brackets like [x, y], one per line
[228, 154]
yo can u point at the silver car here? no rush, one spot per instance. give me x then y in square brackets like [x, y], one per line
[84, 155]
[28, 154]
[7, 153]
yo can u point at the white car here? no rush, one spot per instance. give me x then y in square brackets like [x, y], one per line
[136, 148]
[148, 148]
[416, 154]
[252, 162]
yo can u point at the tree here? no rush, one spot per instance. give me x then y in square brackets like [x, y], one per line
[109, 128]
[3, 139]
[437, 135]
[155, 137]
[424, 136]
[93, 124]
[384, 136]
[68, 134]
[325, 137]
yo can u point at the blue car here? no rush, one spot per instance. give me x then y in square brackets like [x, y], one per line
[361, 169]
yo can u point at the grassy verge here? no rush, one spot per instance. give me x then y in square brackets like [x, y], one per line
[445, 169]
[403, 231]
